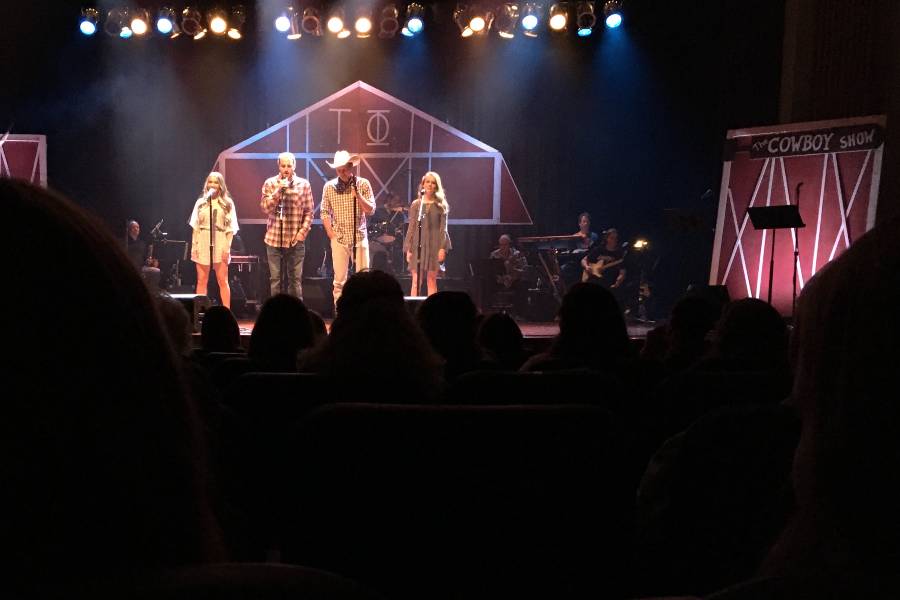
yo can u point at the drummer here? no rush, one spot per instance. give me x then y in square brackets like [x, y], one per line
[388, 218]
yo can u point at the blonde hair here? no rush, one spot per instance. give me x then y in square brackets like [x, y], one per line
[439, 193]
[224, 197]
[289, 156]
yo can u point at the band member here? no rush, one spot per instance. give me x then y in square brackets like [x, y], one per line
[514, 264]
[141, 255]
[214, 206]
[513, 261]
[588, 237]
[430, 211]
[346, 202]
[604, 263]
[288, 204]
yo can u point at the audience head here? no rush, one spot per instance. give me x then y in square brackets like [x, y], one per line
[500, 335]
[449, 320]
[101, 456]
[219, 331]
[320, 330]
[591, 324]
[845, 350]
[751, 333]
[281, 331]
[366, 286]
[178, 324]
[379, 341]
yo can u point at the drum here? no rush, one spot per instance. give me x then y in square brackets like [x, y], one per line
[383, 232]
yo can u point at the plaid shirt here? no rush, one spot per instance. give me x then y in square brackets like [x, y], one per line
[339, 208]
[298, 210]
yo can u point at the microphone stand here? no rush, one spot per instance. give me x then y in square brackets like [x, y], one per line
[212, 243]
[281, 249]
[419, 218]
[796, 257]
[355, 223]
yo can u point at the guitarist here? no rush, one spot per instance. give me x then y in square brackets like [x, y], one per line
[604, 262]
[514, 263]
[141, 255]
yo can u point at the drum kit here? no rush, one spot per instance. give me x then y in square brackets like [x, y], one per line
[386, 241]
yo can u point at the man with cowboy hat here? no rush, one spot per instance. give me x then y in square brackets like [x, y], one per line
[346, 201]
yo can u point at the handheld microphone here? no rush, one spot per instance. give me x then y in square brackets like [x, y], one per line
[209, 193]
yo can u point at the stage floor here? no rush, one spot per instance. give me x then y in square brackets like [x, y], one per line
[531, 330]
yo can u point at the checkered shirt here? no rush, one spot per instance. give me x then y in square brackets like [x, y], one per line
[339, 208]
[298, 210]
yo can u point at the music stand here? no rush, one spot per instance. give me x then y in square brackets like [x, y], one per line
[785, 216]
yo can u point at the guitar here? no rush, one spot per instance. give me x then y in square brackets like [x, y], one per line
[596, 269]
[151, 262]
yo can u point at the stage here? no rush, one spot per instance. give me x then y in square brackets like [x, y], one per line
[536, 334]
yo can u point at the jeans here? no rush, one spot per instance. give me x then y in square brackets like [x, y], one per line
[340, 259]
[293, 264]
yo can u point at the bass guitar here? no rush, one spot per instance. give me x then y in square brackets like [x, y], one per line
[596, 269]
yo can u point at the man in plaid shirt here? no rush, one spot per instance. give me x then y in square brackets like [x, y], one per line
[345, 197]
[288, 202]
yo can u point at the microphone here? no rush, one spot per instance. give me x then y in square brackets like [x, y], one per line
[209, 193]
[158, 225]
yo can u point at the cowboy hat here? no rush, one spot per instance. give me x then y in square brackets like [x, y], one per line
[341, 158]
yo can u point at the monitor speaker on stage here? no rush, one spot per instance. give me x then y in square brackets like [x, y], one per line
[195, 305]
[717, 295]
[318, 296]
[413, 303]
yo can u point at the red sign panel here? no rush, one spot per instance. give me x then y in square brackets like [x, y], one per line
[24, 157]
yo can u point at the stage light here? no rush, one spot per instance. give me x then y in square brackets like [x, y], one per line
[89, 19]
[335, 23]
[296, 25]
[363, 23]
[238, 18]
[343, 33]
[125, 33]
[283, 21]
[531, 18]
[140, 22]
[165, 21]
[218, 21]
[116, 22]
[559, 17]
[585, 18]
[311, 23]
[390, 21]
[612, 13]
[415, 19]
[640, 244]
[507, 17]
[190, 22]
[479, 20]
[461, 18]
